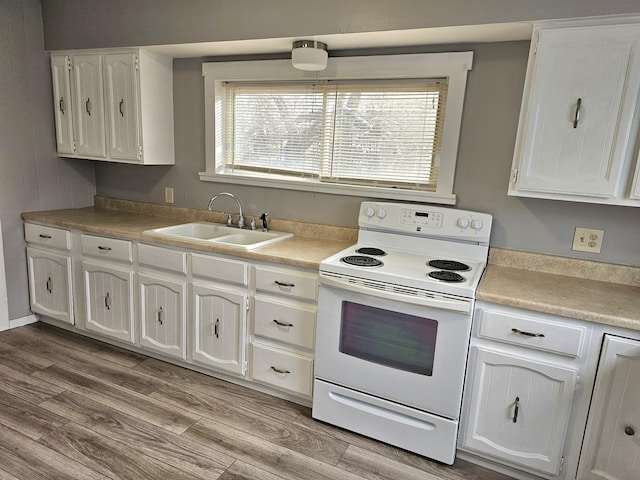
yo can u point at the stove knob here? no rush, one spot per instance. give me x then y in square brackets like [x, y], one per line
[370, 212]
[382, 213]
[462, 222]
[476, 224]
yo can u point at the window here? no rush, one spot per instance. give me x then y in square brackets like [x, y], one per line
[384, 127]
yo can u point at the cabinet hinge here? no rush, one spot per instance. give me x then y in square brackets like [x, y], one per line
[536, 40]
[578, 379]
[248, 304]
[514, 176]
[136, 62]
[73, 144]
[139, 151]
[69, 63]
[561, 465]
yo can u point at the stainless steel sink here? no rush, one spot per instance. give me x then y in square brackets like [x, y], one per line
[212, 233]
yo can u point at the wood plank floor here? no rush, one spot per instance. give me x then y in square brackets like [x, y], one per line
[76, 408]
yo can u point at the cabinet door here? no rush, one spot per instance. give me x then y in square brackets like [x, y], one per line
[162, 315]
[61, 83]
[519, 410]
[109, 300]
[612, 441]
[88, 105]
[50, 284]
[121, 103]
[577, 123]
[220, 318]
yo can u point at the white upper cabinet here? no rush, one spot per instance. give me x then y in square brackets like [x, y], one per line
[61, 83]
[122, 104]
[577, 127]
[88, 105]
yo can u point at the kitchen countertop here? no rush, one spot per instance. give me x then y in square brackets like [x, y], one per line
[310, 244]
[580, 289]
[561, 286]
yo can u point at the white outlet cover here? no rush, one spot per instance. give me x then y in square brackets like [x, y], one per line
[587, 240]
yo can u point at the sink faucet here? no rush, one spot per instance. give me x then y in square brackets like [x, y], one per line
[227, 194]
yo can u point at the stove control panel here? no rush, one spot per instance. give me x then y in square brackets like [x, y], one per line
[425, 220]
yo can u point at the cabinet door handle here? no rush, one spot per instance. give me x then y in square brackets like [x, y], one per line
[516, 409]
[87, 106]
[278, 370]
[104, 249]
[107, 301]
[49, 285]
[576, 117]
[284, 284]
[282, 324]
[61, 105]
[216, 328]
[42, 235]
[629, 430]
[121, 107]
[160, 316]
[527, 334]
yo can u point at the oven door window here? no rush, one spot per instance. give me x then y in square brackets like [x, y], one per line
[385, 337]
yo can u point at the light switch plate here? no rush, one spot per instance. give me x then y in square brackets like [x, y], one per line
[168, 194]
[587, 240]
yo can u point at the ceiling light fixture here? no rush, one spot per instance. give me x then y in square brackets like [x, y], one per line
[309, 55]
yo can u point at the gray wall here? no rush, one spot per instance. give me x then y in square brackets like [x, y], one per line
[489, 124]
[31, 176]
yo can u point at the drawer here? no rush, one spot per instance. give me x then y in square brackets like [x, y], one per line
[281, 369]
[291, 283]
[537, 333]
[288, 322]
[107, 248]
[222, 269]
[47, 236]
[162, 258]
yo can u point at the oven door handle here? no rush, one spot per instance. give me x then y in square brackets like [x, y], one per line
[461, 306]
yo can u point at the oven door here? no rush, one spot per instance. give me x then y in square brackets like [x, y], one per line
[410, 354]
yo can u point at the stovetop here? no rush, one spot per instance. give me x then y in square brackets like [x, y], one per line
[406, 268]
[410, 236]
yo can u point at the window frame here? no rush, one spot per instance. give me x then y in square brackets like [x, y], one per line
[453, 65]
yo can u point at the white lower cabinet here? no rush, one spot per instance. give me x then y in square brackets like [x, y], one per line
[50, 284]
[163, 314]
[219, 322]
[162, 291]
[611, 449]
[524, 389]
[107, 272]
[283, 334]
[519, 409]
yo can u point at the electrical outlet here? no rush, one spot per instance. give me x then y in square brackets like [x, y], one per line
[587, 240]
[168, 195]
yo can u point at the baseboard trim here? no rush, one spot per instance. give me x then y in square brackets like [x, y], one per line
[19, 322]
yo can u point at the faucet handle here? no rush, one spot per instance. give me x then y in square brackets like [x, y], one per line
[253, 223]
[229, 219]
[265, 224]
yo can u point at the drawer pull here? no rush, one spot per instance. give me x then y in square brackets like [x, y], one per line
[42, 235]
[629, 431]
[516, 409]
[527, 334]
[576, 117]
[160, 316]
[284, 284]
[107, 301]
[216, 328]
[104, 249]
[49, 285]
[282, 372]
[282, 324]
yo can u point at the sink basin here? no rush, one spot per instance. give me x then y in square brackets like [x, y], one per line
[212, 233]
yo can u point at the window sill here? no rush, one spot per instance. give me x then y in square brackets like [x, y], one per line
[330, 188]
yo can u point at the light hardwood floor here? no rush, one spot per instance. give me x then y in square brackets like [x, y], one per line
[75, 408]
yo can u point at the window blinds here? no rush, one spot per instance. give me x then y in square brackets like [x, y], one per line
[379, 133]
